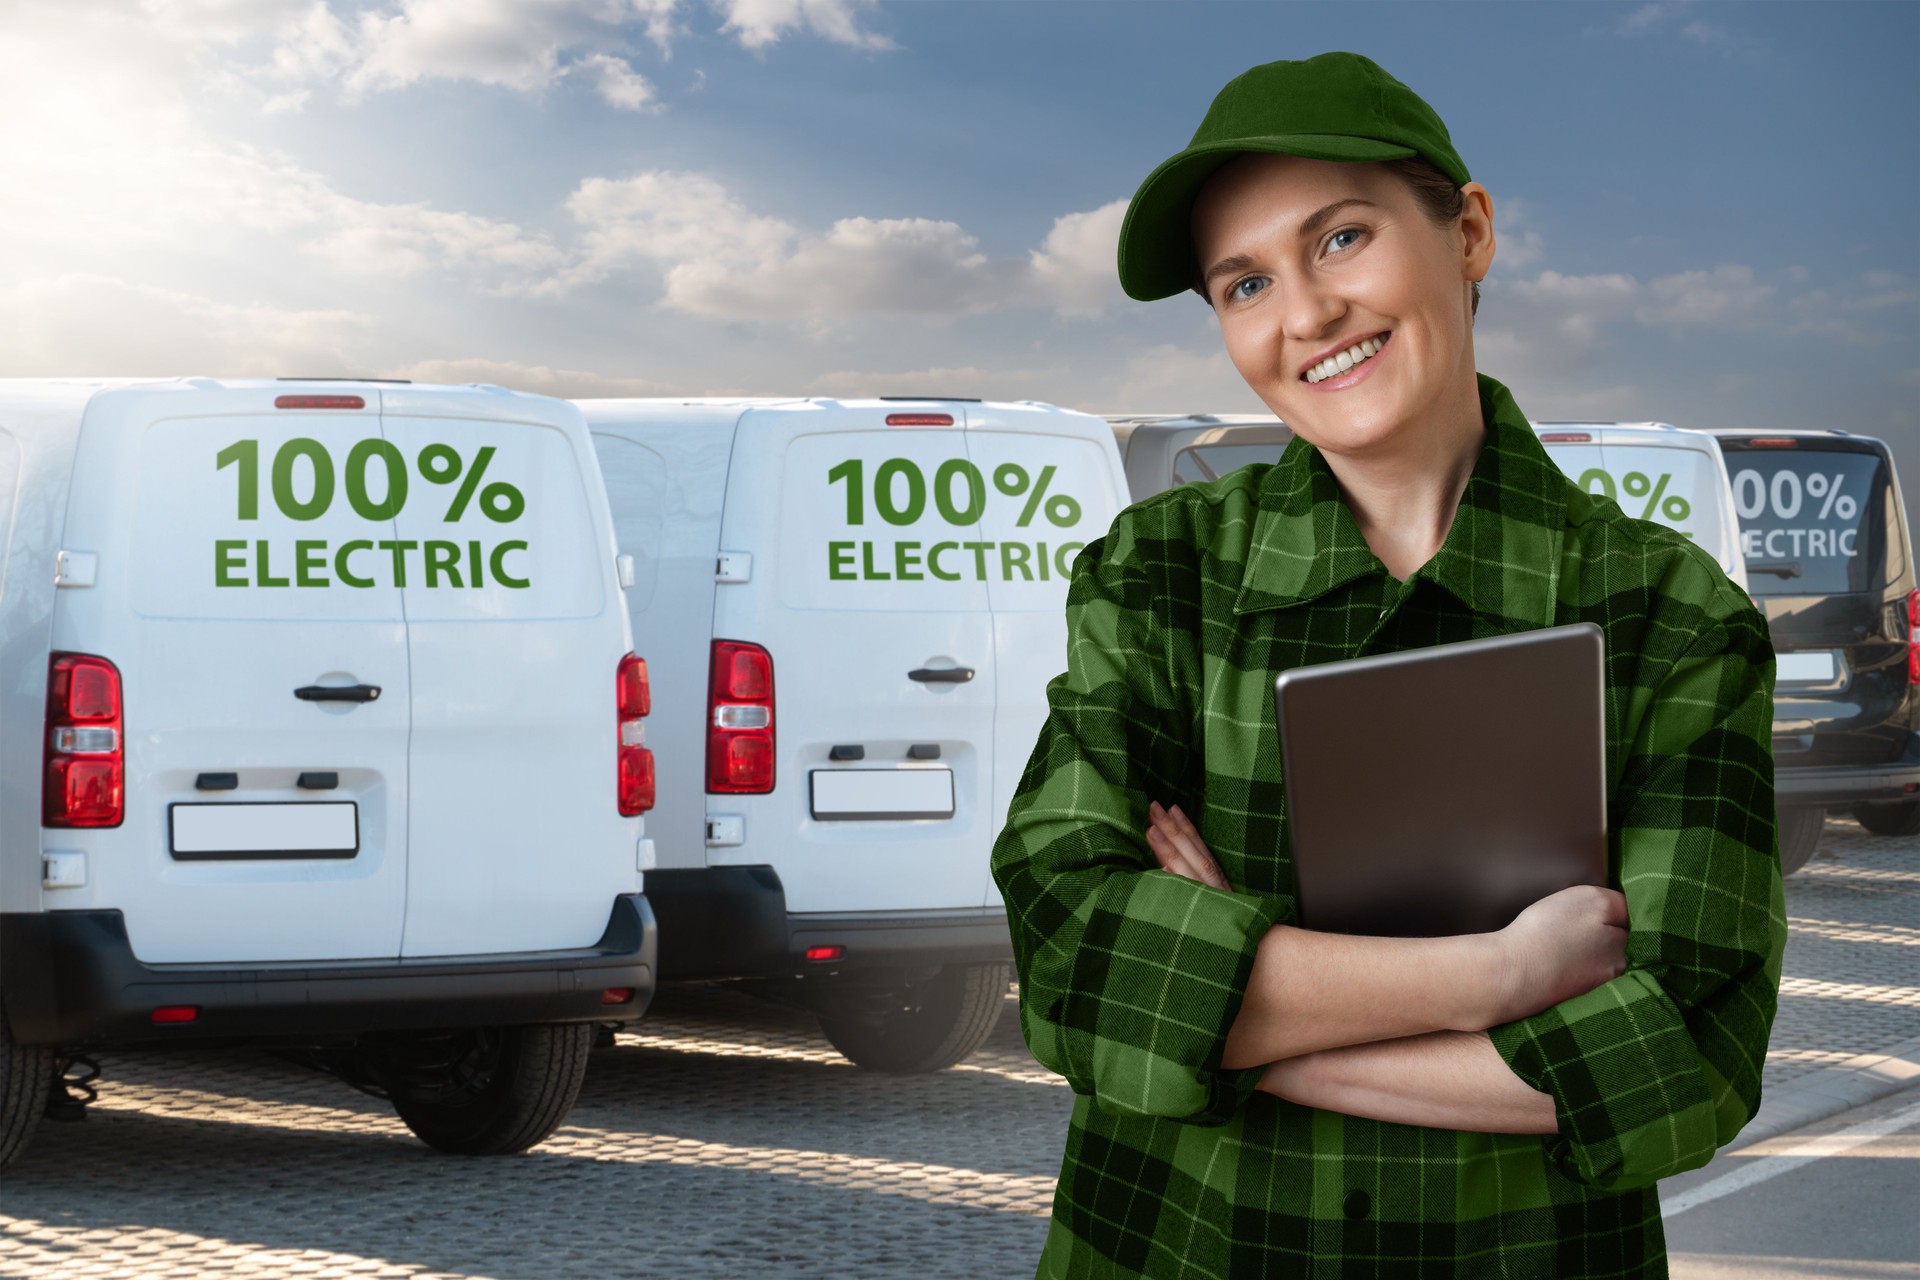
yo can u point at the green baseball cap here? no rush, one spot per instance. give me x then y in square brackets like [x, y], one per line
[1336, 106]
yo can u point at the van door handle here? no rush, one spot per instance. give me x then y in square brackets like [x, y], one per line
[941, 675]
[337, 693]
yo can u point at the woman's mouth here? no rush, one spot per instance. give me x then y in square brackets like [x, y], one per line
[1345, 368]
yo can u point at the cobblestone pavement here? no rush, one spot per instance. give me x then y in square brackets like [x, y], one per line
[724, 1139]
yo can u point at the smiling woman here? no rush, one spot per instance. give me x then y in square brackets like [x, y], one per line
[1261, 1099]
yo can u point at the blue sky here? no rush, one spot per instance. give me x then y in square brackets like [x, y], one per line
[1707, 213]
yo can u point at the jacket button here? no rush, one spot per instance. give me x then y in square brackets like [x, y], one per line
[1358, 1204]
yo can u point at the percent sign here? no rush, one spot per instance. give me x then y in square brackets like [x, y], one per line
[1637, 485]
[1822, 487]
[1011, 479]
[499, 501]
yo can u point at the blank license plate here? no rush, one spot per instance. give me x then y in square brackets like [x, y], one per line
[235, 832]
[1805, 668]
[867, 795]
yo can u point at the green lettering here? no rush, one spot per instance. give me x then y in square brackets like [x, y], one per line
[1040, 556]
[310, 558]
[840, 562]
[868, 572]
[1063, 557]
[226, 562]
[850, 472]
[497, 564]
[266, 578]
[322, 463]
[399, 547]
[933, 560]
[247, 454]
[443, 557]
[979, 550]
[907, 567]
[1013, 555]
[340, 569]
[473, 566]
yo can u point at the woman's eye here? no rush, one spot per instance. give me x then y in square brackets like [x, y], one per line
[1333, 241]
[1241, 290]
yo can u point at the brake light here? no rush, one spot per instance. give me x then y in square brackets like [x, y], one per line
[1566, 437]
[85, 780]
[319, 402]
[633, 699]
[1913, 637]
[175, 1014]
[919, 419]
[739, 719]
[1782, 442]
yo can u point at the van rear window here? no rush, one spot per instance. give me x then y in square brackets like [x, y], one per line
[1199, 463]
[1812, 521]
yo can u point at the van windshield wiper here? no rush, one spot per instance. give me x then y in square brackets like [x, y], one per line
[1779, 568]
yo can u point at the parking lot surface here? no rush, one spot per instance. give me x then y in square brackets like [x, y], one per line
[724, 1138]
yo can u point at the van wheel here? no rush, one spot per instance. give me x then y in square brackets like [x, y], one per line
[25, 1070]
[1799, 833]
[488, 1091]
[1890, 819]
[925, 1026]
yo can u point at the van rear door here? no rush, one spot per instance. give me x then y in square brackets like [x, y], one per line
[1054, 483]
[868, 589]
[514, 635]
[262, 653]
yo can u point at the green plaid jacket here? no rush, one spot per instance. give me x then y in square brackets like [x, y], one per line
[1177, 622]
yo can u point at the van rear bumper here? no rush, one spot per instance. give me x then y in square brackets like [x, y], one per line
[1851, 783]
[733, 922]
[70, 978]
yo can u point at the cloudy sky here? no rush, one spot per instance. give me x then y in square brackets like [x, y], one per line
[1706, 213]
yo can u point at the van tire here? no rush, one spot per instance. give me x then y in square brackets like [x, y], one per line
[1890, 819]
[518, 1085]
[1799, 834]
[25, 1071]
[930, 1026]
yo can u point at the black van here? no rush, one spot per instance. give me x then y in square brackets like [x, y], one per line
[1830, 563]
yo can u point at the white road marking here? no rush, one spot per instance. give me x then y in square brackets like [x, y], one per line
[1775, 1163]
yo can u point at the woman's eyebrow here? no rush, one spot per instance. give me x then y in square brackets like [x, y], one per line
[1315, 220]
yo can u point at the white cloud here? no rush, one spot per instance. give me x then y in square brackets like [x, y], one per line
[76, 325]
[971, 381]
[538, 379]
[619, 84]
[759, 23]
[1727, 296]
[722, 261]
[1074, 267]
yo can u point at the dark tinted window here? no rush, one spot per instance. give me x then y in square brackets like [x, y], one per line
[1195, 462]
[1812, 521]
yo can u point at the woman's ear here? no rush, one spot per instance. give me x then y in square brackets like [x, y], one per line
[1476, 231]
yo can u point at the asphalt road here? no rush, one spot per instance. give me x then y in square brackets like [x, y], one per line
[1836, 1199]
[726, 1138]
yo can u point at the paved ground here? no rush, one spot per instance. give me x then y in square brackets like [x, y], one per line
[1836, 1198]
[724, 1140]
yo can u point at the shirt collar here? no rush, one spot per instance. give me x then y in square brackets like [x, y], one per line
[1501, 557]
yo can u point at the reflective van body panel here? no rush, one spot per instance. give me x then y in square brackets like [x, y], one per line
[203, 599]
[39, 433]
[514, 632]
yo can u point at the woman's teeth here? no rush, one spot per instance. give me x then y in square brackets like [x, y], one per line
[1345, 360]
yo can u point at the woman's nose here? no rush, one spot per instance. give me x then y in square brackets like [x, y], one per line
[1312, 313]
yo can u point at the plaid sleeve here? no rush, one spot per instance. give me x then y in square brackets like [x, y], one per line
[1129, 976]
[1653, 1071]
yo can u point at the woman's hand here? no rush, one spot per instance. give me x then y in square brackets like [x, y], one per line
[1176, 843]
[1562, 946]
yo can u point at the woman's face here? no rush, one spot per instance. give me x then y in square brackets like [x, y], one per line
[1301, 258]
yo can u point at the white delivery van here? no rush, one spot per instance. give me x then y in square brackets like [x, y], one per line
[1656, 472]
[873, 593]
[1167, 449]
[319, 723]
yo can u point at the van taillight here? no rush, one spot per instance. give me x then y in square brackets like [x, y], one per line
[1566, 437]
[919, 419]
[1913, 637]
[634, 699]
[739, 719]
[85, 780]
